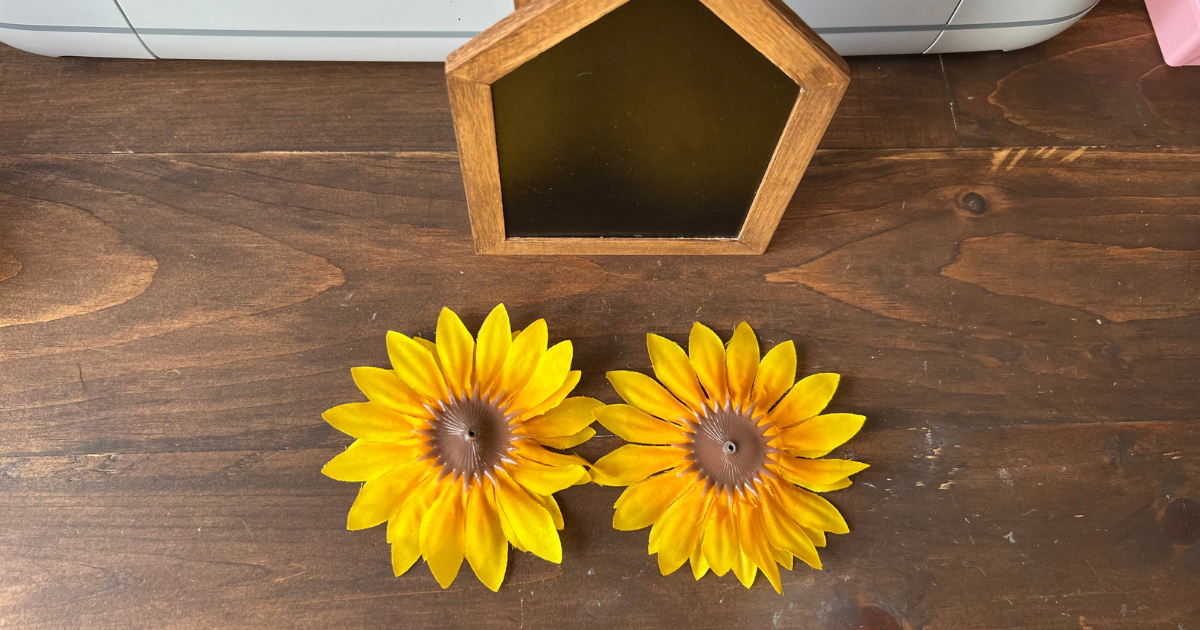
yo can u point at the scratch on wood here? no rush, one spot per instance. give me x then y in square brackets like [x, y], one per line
[999, 157]
[1074, 155]
[1020, 154]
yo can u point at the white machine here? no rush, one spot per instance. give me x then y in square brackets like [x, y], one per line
[427, 30]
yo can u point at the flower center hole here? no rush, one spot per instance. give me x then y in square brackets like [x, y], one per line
[730, 447]
[472, 434]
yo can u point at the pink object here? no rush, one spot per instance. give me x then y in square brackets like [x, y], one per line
[1177, 24]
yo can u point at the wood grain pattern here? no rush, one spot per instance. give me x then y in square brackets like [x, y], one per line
[76, 105]
[1024, 458]
[770, 26]
[56, 241]
[1127, 284]
[9, 265]
[1032, 467]
[1102, 82]
[104, 106]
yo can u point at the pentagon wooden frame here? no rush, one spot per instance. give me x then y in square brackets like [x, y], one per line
[769, 26]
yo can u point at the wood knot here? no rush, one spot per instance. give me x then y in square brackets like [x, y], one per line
[1008, 354]
[9, 265]
[1181, 521]
[974, 203]
[876, 618]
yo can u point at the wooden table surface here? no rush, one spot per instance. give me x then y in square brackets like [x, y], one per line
[999, 251]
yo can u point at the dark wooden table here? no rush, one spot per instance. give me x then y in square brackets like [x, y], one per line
[1000, 252]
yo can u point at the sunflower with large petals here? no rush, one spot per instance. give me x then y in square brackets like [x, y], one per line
[726, 458]
[450, 446]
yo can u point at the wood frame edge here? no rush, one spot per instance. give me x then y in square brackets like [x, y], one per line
[522, 35]
[474, 129]
[774, 30]
[797, 145]
[584, 246]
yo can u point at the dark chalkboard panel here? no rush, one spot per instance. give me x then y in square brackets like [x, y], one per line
[656, 120]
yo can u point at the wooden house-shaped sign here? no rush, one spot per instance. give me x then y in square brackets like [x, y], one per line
[639, 126]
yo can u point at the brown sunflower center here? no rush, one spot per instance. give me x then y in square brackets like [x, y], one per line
[469, 436]
[728, 448]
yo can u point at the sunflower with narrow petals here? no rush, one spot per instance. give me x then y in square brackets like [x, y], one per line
[726, 456]
[450, 446]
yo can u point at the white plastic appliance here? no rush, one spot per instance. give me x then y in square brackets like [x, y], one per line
[427, 30]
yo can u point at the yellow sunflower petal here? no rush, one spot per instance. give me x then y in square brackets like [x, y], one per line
[385, 388]
[634, 425]
[585, 479]
[646, 394]
[540, 478]
[783, 558]
[743, 567]
[674, 369]
[549, 376]
[809, 510]
[750, 534]
[741, 364]
[699, 564]
[632, 463]
[720, 538]
[656, 531]
[566, 441]
[456, 351]
[569, 418]
[404, 556]
[806, 400]
[373, 421]
[529, 449]
[432, 348]
[816, 437]
[644, 502]
[381, 496]
[495, 338]
[404, 528]
[364, 460]
[776, 374]
[837, 485]
[414, 364]
[815, 535]
[554, 400]
[530, 522]
[523, 357]
[680, 530]
[707, 355]
[551, 506]
[786, 534]
[485, 545]
[505, 525]
[443, 533]
[817, 473]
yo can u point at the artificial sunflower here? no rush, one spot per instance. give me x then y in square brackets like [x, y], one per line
[725, 461]
[450, 446]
